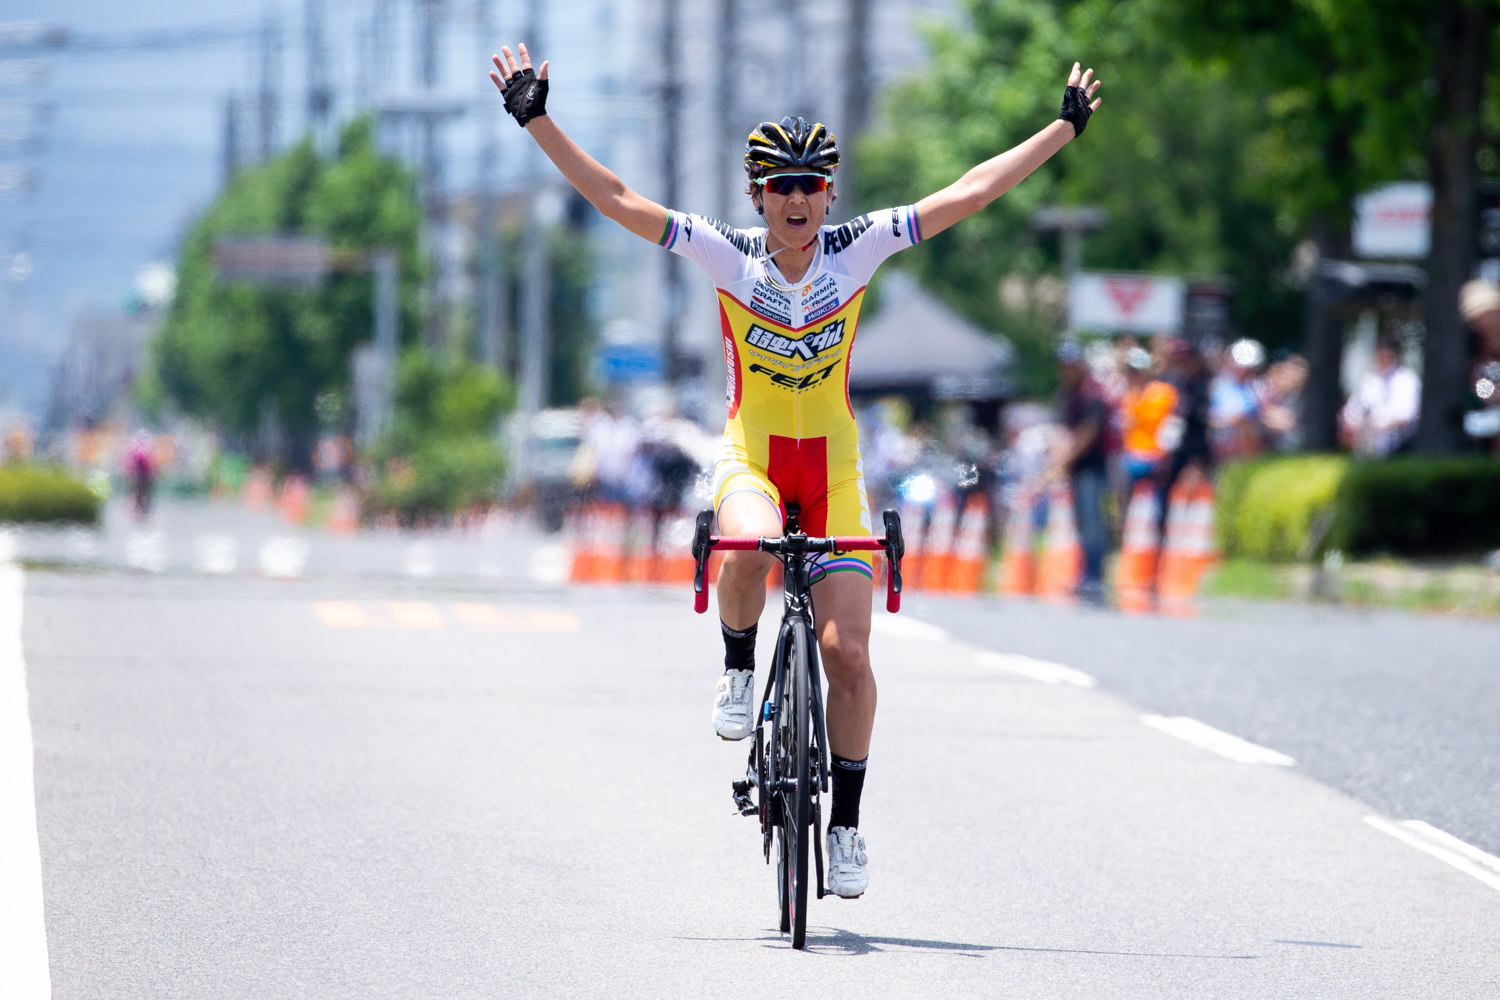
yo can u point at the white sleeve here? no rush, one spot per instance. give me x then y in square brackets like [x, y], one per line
[717, 247]
[864, 243]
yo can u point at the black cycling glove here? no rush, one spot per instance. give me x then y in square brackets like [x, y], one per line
[525, 96]
[1075, 109]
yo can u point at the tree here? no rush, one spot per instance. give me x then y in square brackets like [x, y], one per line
[1361, 92]
[241, 356]
[1168, 156]
[1461, 36]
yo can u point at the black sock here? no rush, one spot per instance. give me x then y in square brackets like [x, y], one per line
[739, 647]
[848, 783]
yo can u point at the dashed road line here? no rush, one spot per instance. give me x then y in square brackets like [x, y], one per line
[1444, 846]
[1206, 737]
[23, 929]
[905, 627]
[1037, 670]
[420, 615]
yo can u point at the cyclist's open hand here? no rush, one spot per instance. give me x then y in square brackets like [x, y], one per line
[1080, 80]
[507, 66]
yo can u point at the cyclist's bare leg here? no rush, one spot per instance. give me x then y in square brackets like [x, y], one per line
[742, 577]
[841, 602]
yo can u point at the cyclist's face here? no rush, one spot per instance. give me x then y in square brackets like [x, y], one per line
[793, 218]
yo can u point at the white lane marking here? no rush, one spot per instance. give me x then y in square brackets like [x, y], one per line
[216, 554]
[1444, 846]
[283, 556]
[1208, 738]
[146, 550]
[419, 560]
[550, 564]
[23, 930]
[905, 627]
[1037, 670]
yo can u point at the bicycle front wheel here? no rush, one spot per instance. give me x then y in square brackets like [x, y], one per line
[799, 818]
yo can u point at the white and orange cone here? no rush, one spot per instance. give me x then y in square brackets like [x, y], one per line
[1062, 557]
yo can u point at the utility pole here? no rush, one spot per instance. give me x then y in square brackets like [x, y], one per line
[796, 80]
[671, 112]
[856, 92]
[269, 99]
[430, 12]
[724, 104]
[232, 151]
[492, 305]
[536, 286]
[319, 93]
[380, 49]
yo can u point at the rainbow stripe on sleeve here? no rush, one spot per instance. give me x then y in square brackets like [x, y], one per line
[913, 224]
[669, 234]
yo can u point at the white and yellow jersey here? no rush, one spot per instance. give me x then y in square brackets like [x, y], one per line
[790, 424]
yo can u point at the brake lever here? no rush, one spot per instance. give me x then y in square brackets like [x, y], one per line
[701, 550]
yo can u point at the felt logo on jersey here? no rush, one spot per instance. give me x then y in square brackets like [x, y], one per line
[896, 222]
[791, 381]
[806, 348]
[836, 240]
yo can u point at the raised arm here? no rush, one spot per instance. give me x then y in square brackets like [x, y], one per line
[995, 176]
[594, 181]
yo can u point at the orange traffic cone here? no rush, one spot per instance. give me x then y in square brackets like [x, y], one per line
[1017, 556]
[640, 552]
[610, 546]
[967, 567]
[939, 547]
[293, 502]
[1135, 573]
[585, 535]
[674, 550]
[1189, 548]
[343, 516]
[1062, 558]
[914, 532]
[259, 489]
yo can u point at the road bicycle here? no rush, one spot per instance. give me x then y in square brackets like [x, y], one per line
[787, 774]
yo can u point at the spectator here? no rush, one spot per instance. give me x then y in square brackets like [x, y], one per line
[1381, 416]
[1479, 302]
[1185, 433]
[1281, 402]
[1146, 403]
[140, 467]
[1234, 404]
[1086, 417]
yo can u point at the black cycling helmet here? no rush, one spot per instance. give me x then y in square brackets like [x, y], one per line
[793, 143]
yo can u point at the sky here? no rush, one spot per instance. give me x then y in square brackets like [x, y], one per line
[111, 144]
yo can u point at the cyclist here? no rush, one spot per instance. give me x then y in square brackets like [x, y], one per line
[789, 297]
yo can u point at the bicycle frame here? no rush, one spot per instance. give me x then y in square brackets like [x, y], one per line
[795, 550]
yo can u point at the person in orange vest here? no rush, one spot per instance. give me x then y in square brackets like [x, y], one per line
[1146, 404]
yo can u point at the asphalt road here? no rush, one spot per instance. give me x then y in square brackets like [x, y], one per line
[430, 789]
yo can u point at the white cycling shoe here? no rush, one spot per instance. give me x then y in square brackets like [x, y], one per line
[848, 876]
[734, 705]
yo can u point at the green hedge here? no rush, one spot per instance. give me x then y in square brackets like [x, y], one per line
[1267, 508]
[1418, 507]
[45, 494]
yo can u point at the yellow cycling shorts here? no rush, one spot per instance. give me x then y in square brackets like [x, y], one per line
[829, 490]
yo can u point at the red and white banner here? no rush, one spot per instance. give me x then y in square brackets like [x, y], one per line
[1394, 221]
[1126, 303]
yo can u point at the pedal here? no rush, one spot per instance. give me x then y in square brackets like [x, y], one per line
[740, 790]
